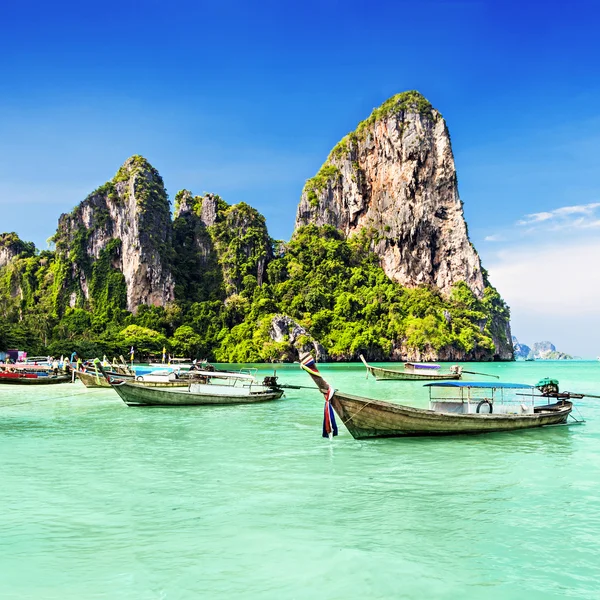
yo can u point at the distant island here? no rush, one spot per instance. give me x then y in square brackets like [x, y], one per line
[380, 264]
[539, 351]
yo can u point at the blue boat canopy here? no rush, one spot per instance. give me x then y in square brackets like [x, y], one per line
[480, 384]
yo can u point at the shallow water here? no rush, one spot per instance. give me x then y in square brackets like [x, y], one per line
[98, 500]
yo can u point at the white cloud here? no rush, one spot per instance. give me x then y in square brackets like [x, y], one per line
[577, 209]
[535, 218]
[566, 217]
[558, 281]
[576, 218]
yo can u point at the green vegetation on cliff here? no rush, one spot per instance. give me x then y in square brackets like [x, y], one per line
[218, 259]
[326, 175]
[332, 286]
[407, 102]
[17, 247]
[337, 290]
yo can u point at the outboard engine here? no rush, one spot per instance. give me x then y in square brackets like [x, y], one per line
[271, 382]
[548, 387]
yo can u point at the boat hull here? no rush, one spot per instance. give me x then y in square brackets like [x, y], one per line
[93, 380]
[366, 418]
[134, 394]
[45, 380]
[382, 374]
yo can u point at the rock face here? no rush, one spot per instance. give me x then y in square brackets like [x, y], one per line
[541, 348]
[285, 329]
[7, 254]
[210, 232]
[502, 338]
[197, 272]
[394, 178]
[131, 211]
[521, 350]
[539, 351]
[547, 351]
[11, 247]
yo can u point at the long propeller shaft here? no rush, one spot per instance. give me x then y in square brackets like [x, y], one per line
[484, 374]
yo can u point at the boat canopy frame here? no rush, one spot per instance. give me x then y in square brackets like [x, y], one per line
[480, 384]
[467, 391]
[424, 366]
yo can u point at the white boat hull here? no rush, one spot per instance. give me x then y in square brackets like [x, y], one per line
[204, 394]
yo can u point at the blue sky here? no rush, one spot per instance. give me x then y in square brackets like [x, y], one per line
[247, 99]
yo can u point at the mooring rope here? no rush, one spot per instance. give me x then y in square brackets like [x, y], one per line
[363, 406]
[580, 415]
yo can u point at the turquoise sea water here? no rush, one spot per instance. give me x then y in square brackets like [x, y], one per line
[98, 500]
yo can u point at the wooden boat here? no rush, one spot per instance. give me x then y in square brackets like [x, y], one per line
[32, 378]
[93, 379]
[92, 376]
[96, 379]
[366, 418]
[203, 388]
[467, 413]
[195, 394]
[413, 372]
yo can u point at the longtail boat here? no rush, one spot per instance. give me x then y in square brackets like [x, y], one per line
[474, 408]
[206, 388]
[96, 378]
[197, 394]
[22, 377]
[93, 379]
[413, 372]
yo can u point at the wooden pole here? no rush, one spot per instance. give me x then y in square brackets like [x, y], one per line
[316, 377]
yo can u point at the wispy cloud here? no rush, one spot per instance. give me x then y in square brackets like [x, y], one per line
[580, 219]
[578, 216]
[494, 238]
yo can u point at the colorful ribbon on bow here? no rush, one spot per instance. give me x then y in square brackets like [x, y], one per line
[330, 428]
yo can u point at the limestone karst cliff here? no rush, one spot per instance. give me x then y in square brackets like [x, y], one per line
[11, 247]
[521, 351]
[380, 264]
[124, 227]
[218, 246]
[394, 180]
[395, 176]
